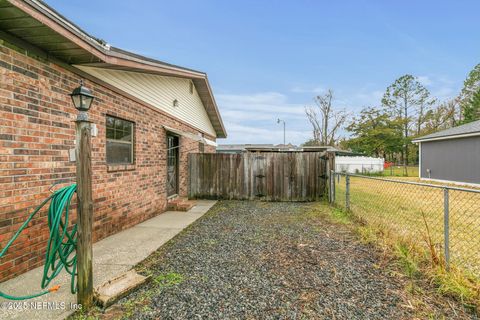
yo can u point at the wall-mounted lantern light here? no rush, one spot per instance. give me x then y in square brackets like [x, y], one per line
[82, 99]
[175, 103]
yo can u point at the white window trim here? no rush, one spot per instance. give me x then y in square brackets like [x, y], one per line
[121, 141]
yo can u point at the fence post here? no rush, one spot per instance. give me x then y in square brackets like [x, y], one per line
[347, 192]
[331, 183]
[85, 214]
[446, 226]
[332, 186]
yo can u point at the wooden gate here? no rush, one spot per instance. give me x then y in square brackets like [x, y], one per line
[289, 176]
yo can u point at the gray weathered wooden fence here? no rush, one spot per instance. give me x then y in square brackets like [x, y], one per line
[292, 176]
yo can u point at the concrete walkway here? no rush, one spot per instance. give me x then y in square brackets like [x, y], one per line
[111, 256]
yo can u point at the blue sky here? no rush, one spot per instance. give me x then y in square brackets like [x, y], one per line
[268, 59]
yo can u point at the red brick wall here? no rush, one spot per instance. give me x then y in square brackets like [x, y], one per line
[36, 132]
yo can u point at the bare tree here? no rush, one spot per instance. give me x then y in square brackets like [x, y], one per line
[325, 120]
[446, 115]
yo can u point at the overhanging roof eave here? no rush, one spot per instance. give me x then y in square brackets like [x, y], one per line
[94, 52]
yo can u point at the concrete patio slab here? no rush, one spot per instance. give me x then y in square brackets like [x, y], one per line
[111, 257]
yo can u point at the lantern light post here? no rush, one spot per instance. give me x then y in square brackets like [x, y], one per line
[82, 99]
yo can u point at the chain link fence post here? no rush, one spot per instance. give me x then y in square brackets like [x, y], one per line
[334, 191]
[332, 186]
[329, 181]
[347, 192]
[446, 226]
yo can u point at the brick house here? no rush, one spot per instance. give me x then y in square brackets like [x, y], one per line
[148, 115]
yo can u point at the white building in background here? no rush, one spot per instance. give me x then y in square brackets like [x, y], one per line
[359, 164]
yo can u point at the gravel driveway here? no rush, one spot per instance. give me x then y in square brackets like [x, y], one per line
[251, 260]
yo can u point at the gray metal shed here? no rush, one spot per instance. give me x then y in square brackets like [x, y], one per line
[451, 155]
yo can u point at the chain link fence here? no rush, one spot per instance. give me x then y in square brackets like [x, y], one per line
[442, 220]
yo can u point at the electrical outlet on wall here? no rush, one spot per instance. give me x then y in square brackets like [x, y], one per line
[94, 130]
[71, 155]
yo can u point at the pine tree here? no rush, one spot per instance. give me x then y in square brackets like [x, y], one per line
[471, 110]
[407, 101]
[470, 95]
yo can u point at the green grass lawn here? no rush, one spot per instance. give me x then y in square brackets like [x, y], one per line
[399, 171]
[396, 171]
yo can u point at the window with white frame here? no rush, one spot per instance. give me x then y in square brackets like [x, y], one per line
[119, 141]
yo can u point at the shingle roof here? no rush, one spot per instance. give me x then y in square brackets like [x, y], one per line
[469, 128]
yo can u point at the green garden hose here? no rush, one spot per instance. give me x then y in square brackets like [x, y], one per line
[61, 243]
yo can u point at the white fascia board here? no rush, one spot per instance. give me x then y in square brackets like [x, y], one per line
[210, 142]
[466, 135]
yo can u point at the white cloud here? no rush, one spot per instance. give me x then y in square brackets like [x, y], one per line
[441, 87]
[444, 88]
[266, 102]
[304, 89]
[444, 93]
[251, 118]
[425, 80]
[354, 101]
[366, 98]
[239, 133]
[263, 97]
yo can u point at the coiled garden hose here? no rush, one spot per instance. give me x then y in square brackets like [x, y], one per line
[61, 242]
